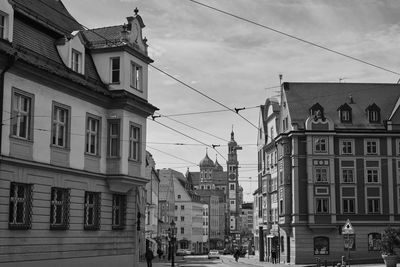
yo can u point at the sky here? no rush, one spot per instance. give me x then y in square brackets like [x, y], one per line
[237, 64]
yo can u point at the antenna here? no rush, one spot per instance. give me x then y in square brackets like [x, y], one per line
[280, 83]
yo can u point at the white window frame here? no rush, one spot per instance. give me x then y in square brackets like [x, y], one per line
[113, 138]
[115, 70]
[60, 125]
[354, 205]
[343, 146]
[320, 171]
[375, 170]
[136, 76]
[22, 117]
[342, 176]
[135, 135]
[3, 25]
[318, 145]
[379, 206]
[76, 61]
[93, 128]
[368, 144]
[323, 201]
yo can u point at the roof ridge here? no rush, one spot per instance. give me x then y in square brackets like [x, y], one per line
[106, 27]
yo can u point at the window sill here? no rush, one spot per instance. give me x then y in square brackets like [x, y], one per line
[59, 148]
[137, 89]
[134, 161]
[92, 155]
[20, 139]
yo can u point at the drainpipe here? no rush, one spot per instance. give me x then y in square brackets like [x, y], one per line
[10, 62]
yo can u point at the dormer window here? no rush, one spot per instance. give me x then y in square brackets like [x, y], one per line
[115, 70]
[76, 61]
[317, 111]
[373, 113]
[345, 113]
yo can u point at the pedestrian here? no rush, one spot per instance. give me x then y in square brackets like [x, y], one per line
[160, 253]
[236, 254]
[273, 256]
[149, 257]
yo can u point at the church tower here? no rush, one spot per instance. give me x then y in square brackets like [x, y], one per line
[233, 186]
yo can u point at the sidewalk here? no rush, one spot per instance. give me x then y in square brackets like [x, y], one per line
[162, 262]
[254, 260]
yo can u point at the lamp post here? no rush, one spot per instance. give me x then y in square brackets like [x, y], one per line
[173, 240]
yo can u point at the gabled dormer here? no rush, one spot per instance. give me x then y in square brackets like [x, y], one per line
[317, 111]
[6, 21]
[345, 113]
[72, 52]
[373, 113]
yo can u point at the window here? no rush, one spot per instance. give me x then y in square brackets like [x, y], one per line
[345, 113]
[21, 117]
[281, 206]
[282, 244]
[179, 196]
[136, 76]
[347, 147]
[232, 202]
[118, 212]
[76, 61]
[322, 205]
[373, 205]
[93, 135]
[176, 207]
[348, 175]
[372, 175]
[231, 186]
[115, 70]
[371, 147]
[373, 113]
[321, 174]
[134, 143]
[113, 138]
[182, 230]
[59, 208]
[349, 205]
[182, 218]
[2, 26]
[320, 145]
[374, 242]
[182, 207]
[20, 209]
[92, 211]
[60, 127]
[321, 245]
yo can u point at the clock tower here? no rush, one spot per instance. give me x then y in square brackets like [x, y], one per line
[233, 187]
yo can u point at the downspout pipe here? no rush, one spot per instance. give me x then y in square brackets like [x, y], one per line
[10, 62]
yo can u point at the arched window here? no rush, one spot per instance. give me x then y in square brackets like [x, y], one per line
[321, 245]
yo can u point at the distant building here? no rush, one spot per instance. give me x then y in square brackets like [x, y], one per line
[212, 180]
[152, 208]
[338, 148]
[73, 138]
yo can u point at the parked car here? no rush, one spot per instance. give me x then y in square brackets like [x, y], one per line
[213, 254]
[188, 252]
[180, 252]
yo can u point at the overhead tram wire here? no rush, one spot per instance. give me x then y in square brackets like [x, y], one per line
[205, 112]
[169, 154]
[192, 127]
[294, 37]
[203, 94]
[194, 139]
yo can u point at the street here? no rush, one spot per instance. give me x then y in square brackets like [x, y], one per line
[224, 261]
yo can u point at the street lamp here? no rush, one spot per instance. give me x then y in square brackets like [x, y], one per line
[172, 236]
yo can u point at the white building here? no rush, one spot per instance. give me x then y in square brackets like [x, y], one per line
[73, 111]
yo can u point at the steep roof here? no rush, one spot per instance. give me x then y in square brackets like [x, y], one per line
[300, 97]
[51, 13]
[218, 178]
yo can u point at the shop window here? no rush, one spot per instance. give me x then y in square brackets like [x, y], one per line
[321, 245]
[374, 242]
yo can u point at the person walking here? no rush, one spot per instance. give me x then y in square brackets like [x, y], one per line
[273, 256]
[149, 257]
[236, 254]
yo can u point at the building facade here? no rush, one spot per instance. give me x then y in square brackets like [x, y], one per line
[66, 106]
[338, 148]
[152, 235]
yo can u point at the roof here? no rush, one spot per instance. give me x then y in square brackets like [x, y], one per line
[51, 13]
[218, 178]
[300, 97]
[206, 162]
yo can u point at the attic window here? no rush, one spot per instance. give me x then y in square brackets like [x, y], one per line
[345, 114]
[317, 111]
[373, 113]
[76, 61]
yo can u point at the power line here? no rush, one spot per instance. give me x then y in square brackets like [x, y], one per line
[166, 153]
[293, 37]
[201, 93]
[206, 112]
